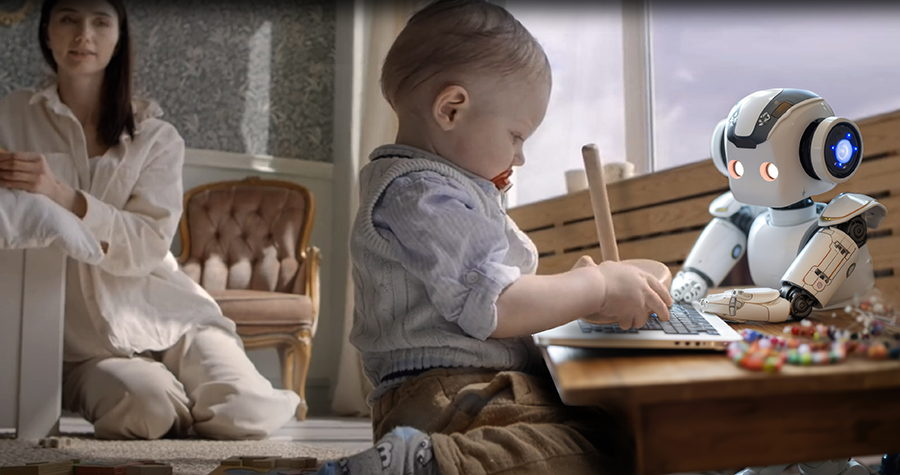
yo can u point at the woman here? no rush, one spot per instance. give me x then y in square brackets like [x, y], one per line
[147, 351]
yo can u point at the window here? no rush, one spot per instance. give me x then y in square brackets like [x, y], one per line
[704, 61]
[584, 44]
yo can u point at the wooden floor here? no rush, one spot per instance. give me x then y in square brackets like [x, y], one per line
[335, 432]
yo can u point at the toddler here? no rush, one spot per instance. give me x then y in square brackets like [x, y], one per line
[446, 296]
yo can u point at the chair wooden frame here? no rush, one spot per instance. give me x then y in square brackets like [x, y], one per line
[295, 348]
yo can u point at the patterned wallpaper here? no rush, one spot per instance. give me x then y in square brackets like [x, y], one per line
[232, 75]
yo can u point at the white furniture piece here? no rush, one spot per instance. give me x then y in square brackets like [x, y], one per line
[32, 298]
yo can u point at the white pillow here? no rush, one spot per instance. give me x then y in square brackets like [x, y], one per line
[29, 220]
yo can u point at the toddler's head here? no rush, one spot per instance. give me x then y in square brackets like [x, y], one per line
[469, 83]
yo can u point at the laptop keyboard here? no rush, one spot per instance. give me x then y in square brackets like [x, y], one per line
[685, 320]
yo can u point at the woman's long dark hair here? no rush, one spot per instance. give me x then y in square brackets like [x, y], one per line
[117, 114]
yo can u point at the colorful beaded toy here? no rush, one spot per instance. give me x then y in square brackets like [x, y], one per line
[878, 339]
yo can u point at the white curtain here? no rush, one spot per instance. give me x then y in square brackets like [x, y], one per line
[384, 20]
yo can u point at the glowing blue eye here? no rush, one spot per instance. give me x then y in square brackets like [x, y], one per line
[844, 151]
[848, 136]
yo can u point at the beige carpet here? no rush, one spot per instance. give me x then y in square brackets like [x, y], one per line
[187, 457]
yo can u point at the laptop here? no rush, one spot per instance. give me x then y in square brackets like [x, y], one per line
[688, 328]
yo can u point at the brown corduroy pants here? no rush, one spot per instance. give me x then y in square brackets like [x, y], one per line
[489, 422]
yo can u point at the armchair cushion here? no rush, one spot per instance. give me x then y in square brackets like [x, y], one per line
[245, 236]
[257, 311]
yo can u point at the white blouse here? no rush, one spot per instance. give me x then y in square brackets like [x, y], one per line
[136, 299]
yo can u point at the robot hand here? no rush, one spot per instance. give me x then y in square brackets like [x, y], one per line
[688, 287]
[827, 467]
[763, 470]
[749, 305]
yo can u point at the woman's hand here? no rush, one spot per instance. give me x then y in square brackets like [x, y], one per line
[30, 172]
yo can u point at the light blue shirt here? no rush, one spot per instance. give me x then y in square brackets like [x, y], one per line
[432, 249]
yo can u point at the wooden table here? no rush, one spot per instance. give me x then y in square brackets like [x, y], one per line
[694, 410]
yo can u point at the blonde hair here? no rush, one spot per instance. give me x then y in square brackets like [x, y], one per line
[454, 37]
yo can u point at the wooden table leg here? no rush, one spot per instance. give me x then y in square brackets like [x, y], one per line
[634, 416]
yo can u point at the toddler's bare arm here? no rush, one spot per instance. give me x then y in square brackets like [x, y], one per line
[535, 303]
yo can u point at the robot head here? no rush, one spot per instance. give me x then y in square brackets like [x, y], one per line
[780, 146]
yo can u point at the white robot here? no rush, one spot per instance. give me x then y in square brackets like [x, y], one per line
[778, 148]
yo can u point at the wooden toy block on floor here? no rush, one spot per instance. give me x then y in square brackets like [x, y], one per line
[54, 443]
[101, 468]
[149, 468]
[266, 465]
[136, 467]
[59, 467]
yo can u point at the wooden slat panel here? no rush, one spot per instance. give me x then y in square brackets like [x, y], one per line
[881, 133]
[694, 212]
[876, 176]
[668, 249]
[890, 287]
[885, 252]
[669, 185]
[584, 234]
[553, 211]
[872, 178]
[885, 255]
[675, 247]
[560, 266]
[557, 264]
[675, 216]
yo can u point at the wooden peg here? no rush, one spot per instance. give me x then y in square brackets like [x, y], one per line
[600, 203]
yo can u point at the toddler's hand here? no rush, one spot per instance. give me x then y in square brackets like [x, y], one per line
[630, 296]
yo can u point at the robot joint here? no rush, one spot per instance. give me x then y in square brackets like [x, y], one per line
[857, 229]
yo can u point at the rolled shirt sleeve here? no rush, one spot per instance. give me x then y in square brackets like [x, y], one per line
[437, 232]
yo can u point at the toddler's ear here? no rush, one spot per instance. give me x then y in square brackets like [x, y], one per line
[448, 105]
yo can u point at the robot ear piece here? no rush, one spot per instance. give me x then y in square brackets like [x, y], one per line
[717, 147]
[831, 149]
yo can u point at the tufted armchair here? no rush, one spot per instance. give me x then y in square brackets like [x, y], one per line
[247, 243]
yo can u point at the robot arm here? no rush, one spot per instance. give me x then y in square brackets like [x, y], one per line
[719, 247]
[824, 263]
[830, 256]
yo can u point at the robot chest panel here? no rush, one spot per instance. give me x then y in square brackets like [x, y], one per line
[772, 249]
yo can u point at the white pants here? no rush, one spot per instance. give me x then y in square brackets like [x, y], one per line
[204, 385]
